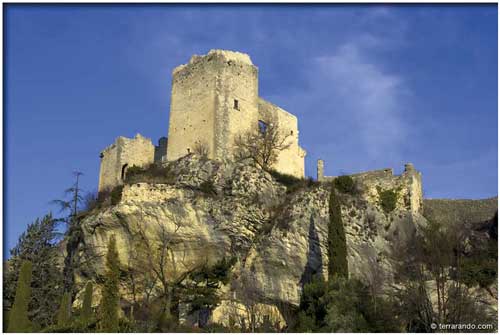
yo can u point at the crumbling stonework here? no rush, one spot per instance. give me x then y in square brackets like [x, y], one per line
[408, 185]
[215, 99]
[290, 160]
[119, 156]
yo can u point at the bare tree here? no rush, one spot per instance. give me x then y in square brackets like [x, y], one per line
[250, 296]
[429, 281]
[201, 149]
[263, 144]
[157, 258]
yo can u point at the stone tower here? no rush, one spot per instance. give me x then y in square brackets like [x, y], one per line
[215, 98]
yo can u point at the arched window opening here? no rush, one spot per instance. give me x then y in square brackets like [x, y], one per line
[124, 171]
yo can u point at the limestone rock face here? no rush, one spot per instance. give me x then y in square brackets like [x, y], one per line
[281, 238]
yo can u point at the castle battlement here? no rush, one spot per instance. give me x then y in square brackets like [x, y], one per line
[217, 55]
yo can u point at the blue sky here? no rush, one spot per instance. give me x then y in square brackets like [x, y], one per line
[373, 86]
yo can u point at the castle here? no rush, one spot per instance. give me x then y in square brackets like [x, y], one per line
[215, 97]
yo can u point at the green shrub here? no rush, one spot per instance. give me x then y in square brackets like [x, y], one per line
[134, 171]
[388, 199]
[74, 327]
[293, 183]
[110, 300]
[64, 314]
[218, 328]
[285, 179]
[154, 173]
[345, 184]
[86, 314]
[337, 246]
[116, 194]
[208, 188]
[18, 315]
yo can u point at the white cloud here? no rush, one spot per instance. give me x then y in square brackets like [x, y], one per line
[359, 109]
[372, 97]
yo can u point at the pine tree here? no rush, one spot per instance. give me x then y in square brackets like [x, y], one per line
[337, 247]
[64, 314]
[87, 304]
[111, 295]
[18, 315]
[39, 245]
[71, 206]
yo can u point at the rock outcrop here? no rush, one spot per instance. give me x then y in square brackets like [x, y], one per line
[214, 209]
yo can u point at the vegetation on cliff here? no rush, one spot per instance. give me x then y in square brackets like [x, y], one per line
[110, 302]
[342, 304]
[337, 247]
[64, 314]
[39, 245]
[160, 287]
[86, 314]
[18, 315]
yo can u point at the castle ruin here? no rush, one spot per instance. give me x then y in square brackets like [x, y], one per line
[408, 184]
[214, 99]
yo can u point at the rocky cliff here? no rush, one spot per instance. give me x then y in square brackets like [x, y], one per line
[210, 210]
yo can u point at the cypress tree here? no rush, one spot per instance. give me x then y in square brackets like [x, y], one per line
[39, 245]
[87, 304]
[110, 295]
[337, 247]
[64, 314]
[18, 315]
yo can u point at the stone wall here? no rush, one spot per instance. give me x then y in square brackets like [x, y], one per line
[238, 81]
[290, 160]
[203, 108]
[121, 155]
[192, 107]
[215, 99]
[408, 185]
[161, 150]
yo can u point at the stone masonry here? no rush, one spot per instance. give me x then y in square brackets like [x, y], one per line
[214, 99]
[119, 156]
[408, 185]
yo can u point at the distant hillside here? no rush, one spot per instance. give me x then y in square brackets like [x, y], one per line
[449, 211]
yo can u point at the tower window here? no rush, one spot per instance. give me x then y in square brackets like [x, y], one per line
[236, 105]
[124, 171]
[262, 127]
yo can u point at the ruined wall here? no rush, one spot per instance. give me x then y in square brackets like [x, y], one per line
[203, 103]
[290, 160]
[121, 155]
[408, 185]
[161, 150]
